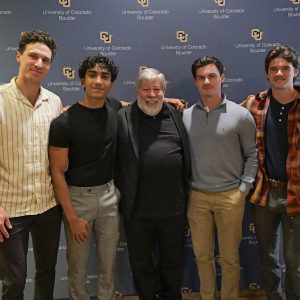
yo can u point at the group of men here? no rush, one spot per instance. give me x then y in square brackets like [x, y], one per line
[153, 164]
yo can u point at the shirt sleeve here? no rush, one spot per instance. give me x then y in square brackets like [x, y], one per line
[59, 135]
[115, 103]
[248, 144]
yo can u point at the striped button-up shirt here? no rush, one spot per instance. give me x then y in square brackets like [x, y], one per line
[258, 106]
[25, 182]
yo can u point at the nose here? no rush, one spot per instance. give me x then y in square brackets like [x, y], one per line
[98, 79]
[39, 63]
[206, 80]
[152, 93]
[279, 72]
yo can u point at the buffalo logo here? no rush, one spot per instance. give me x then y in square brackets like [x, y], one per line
[257, 34]
[144, 3]
[295, 1]
[220, 2]
[182, 36]
[65, 3]
[252, 228]
[69, 73]
[105, 37]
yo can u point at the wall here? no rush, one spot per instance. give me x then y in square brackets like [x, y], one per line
[168, 35]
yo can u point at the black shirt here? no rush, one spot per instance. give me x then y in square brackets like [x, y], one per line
[276, 139]
[90, 135]
[160, 191]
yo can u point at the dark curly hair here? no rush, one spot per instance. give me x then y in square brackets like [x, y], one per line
[90, 62]
[36, 36]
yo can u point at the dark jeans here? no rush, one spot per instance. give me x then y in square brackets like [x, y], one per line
[45, 233]
[156, 253]
[267, 222]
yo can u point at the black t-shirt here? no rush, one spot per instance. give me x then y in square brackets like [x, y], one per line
[276, 139]
[90, 136]
[160, 168]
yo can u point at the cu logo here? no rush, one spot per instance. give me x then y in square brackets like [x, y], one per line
[105, 37]
[69, 73]
[252, 228]
[143, 68]
[256, 34]
[218, 259]
[65, 3]
[295, 1]
[254, 286]
[187, 231]
[182, 36]
[220, 2]
[144, 3]
[185, 290]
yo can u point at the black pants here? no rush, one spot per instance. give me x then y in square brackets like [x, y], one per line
[156, 253]
[45, 233]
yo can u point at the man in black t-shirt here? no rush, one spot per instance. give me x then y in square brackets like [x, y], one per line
[82, 145]
[152, 175]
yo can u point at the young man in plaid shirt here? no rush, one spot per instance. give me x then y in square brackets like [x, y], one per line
[276, 194]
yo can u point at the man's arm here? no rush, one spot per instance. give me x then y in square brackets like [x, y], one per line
[4, 224]
[248, 146]
[58, 162]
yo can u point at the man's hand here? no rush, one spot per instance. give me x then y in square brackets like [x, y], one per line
[180, 104]
[79, 228]
[4, 224]
[65, 108]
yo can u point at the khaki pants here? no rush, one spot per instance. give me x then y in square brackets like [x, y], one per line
[225, 210]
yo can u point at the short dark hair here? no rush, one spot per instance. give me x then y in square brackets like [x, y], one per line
[36, 36]
[207, 60]
[90, 62]
[285, 52]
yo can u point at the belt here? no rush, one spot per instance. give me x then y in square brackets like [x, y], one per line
[92, 189]
[276, 183]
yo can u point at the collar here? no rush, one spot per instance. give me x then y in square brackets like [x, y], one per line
[222, 104]
[43, 97]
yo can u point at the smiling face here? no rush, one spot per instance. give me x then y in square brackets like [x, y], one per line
[34, 63]
[150, 96]
[281, 74]
[209, 81]
[97, 83]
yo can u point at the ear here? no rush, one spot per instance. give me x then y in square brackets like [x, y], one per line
[222, 78]
[295, 72]
[82, 82]
[18, 56]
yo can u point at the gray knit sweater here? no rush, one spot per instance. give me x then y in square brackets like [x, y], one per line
[223, 150]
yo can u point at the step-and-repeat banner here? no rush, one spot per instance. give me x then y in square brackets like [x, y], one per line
[165, 34]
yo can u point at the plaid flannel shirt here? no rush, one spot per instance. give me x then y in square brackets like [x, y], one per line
[258, 106]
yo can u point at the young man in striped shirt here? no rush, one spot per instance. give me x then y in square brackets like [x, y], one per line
[27, 202]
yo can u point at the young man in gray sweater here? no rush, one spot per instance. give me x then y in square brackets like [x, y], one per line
[224, 164]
